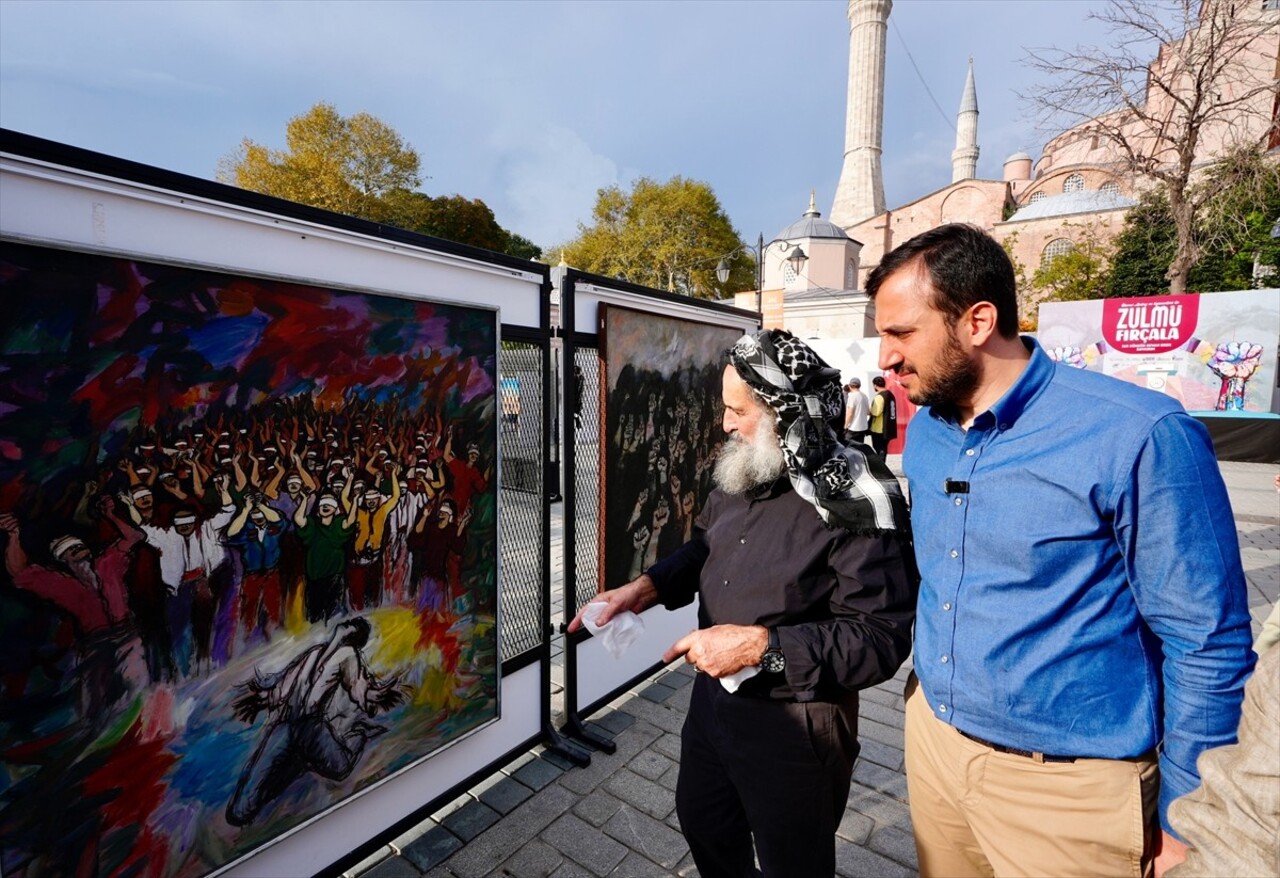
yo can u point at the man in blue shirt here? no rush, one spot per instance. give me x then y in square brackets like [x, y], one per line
[1082, 616]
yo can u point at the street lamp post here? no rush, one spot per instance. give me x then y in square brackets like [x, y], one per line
[797, 257]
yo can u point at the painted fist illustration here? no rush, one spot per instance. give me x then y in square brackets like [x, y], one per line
[1234, 362]
[1068, 355]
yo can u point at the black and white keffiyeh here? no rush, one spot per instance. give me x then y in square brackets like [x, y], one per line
[849, 487]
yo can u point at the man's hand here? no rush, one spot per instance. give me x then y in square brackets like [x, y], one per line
[1169, 853]
[721, 650]
[637, 595]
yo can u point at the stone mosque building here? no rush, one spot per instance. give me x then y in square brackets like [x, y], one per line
[1037, 204]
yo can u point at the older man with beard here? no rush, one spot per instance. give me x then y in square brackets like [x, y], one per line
[802, 562]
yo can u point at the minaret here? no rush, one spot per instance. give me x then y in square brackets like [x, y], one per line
[860, 193]
[964, 158]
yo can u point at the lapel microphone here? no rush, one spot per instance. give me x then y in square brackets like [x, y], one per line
[951, 486]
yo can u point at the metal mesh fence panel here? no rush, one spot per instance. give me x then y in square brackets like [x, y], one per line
[523, 542]
[584, 384]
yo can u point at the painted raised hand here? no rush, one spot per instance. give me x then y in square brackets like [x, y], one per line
[1234, 362]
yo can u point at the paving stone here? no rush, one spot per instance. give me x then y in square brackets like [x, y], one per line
[629, 744]
[597, 808]
[580, 842]
[535, 860]
[877, 777]
[537, 773]
[858, 862]
[895, 844]
[449, 807]
[855, 827]
[570, 869]
[393, 867]
[880, 713]
[647, 836]
[885, 811]
[481, 857]
[676, 680]
[501, 793]
[651, 798]
[884, 697]
[687, 869]
[670, 777]
[563, 763]
[431, 848]
[636, 866]
[613, 721]
[657, 692]
[881, 754]
[372, 859]
[649, 764]
[655, 714]
[880, 732]
[668, 745]
[470, 820]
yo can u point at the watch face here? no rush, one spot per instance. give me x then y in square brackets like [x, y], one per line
[772, 662]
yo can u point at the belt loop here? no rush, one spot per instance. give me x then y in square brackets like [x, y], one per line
[1038, 757]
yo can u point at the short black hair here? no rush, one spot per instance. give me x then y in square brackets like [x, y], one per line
[965, 265]
[877, 381]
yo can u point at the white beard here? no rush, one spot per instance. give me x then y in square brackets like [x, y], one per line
[743, 466]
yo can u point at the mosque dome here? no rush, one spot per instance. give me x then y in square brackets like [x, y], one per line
[811, 225]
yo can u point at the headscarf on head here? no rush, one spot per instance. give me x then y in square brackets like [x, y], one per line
[849, 487]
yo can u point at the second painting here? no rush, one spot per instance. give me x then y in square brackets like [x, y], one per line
[660, 433]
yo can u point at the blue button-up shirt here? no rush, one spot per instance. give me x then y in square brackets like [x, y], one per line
[1085, 597]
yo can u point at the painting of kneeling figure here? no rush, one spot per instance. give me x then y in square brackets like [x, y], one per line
[249, 533]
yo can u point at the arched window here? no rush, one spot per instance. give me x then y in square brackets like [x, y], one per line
[1038, 196]
[851, 276]
[1111, 187]
[788, 274]
[1055, 248]
[1074, 183]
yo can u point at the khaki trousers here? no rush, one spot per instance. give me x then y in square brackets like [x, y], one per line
[979, 812]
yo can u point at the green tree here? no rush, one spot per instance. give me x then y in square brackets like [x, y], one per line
[1080, 273]
[362, 167]
[343, 164]
[1233, 231]
[1144, 249]
[669, 236]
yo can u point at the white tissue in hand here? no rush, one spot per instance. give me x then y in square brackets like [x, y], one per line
[618, 633]
[733, 681]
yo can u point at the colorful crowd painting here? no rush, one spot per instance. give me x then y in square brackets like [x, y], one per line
[660, 433]
[250, 555]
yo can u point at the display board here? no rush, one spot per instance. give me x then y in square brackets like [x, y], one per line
[1213, 352]
[189, 688]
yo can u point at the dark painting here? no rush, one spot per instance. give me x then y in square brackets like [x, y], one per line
[660, 433]
[249, 533]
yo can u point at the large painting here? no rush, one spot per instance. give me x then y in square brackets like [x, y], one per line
[250, 555]
[660, 433]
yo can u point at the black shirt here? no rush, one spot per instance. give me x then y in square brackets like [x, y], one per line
[843, 604]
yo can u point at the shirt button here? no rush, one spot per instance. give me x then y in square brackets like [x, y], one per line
[946, 607]
[1004, 426]
[969, 453]
[942, 708]
[958, 501]
[742, 540]
[944, 659]
[955, 554]
[726, 582]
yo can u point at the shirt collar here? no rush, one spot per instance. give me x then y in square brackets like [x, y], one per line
[1008, 408]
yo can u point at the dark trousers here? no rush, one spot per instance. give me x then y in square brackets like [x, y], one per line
[776, 771]
[880, 444]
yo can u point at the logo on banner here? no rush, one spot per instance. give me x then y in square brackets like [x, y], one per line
[1154, 325]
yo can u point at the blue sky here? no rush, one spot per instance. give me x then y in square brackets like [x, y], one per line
[532, 105]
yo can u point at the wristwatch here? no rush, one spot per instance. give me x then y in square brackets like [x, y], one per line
[773, 661]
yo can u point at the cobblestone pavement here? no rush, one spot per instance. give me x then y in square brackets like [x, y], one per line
[540, 816]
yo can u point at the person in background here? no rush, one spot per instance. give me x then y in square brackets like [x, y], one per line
[884, 417]
[857, 413]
